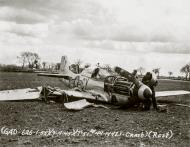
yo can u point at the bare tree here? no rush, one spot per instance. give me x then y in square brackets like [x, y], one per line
[57, 66]
[29, 59]
[32, 59]
[48, 65]
[78, 62]
[36, 60]
[44, 64]
[51, 66]
[170, 74]
[22, 59]
[141, 70]
[186, 69]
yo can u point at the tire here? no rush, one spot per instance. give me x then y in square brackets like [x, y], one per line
[105, 88]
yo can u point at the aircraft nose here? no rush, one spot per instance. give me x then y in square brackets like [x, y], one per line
[144, 92]
[147, 93]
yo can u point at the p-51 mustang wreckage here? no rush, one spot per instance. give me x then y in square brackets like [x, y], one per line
[119, 88]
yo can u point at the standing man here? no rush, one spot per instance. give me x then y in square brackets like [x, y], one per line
[150, 80]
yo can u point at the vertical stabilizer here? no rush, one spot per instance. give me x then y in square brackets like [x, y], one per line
[64, 67]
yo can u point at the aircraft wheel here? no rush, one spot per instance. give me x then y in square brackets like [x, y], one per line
[114, 100]
[105, 88]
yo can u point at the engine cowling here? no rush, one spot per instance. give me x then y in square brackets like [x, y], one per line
[144, 92]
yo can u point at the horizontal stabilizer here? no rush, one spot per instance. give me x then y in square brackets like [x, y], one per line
[55, 75]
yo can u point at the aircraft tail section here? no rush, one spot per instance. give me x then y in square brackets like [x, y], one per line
[64, 66]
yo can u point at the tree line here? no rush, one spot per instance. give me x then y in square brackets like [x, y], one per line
[184, 70]
[31, 60]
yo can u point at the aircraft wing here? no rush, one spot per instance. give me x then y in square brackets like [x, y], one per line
[178, 96]
[20, 94]
[65, 76]
[171, 93]
[33, 94]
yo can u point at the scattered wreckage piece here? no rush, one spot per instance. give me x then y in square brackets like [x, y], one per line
[81, 104]
[20, 94]
[77, 105]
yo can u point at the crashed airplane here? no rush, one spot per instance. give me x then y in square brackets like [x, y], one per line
[118, 89]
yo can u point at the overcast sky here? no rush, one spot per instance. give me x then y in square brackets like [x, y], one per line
[128, 33]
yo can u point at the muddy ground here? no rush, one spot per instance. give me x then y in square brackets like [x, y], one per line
[35, 123]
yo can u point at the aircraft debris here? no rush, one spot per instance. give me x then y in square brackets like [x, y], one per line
[50, 93]
[77, 105]
[81, 104]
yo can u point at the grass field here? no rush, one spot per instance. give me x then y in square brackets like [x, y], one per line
[37, 117]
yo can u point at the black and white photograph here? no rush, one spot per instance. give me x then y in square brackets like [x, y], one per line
[112, 73]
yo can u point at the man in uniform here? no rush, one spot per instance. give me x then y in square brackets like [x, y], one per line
[150, 80]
